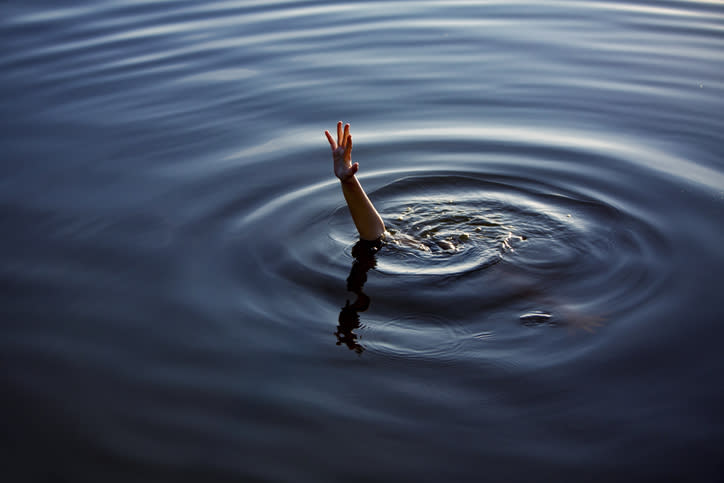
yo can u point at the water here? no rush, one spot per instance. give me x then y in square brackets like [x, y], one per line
[176, 249]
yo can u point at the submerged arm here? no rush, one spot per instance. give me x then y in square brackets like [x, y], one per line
[368, 222]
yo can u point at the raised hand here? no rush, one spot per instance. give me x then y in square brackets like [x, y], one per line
[368, 222]
[342, 153]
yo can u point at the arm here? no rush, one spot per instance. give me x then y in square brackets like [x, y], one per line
[368, 222]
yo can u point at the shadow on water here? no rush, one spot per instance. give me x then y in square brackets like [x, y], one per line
[364, 254]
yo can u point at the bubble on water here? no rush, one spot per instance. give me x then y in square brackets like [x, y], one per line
[535, 318]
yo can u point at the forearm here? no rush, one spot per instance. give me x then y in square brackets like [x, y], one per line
[368, 222]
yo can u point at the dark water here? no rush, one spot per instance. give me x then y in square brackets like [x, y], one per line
[175, 248]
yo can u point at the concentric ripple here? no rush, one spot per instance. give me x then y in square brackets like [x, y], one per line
[418, 336]
[540, 250]
[180, 296]
[451, 224]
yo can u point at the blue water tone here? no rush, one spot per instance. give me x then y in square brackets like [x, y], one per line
[180, 298]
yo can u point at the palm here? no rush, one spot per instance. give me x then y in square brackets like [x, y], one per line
[342, 165]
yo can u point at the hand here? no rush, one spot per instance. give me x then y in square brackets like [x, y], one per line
[342, 153]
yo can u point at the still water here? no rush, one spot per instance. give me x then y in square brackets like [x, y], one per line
[176, 249]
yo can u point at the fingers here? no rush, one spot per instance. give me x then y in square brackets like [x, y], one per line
[348, 147]
[331, 140]
[342, 134]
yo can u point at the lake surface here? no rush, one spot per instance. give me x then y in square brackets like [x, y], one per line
[176, 249]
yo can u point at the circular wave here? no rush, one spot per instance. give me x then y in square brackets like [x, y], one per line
[450, 224]
[419, 336]
[468, 247]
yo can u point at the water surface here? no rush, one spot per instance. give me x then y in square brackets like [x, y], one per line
[176, 249]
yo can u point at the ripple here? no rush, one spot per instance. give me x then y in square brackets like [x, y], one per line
[450, 224]
[541, 166]
[566, 256]
[418, 336]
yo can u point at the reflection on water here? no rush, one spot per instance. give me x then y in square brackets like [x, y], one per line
[364, 253]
